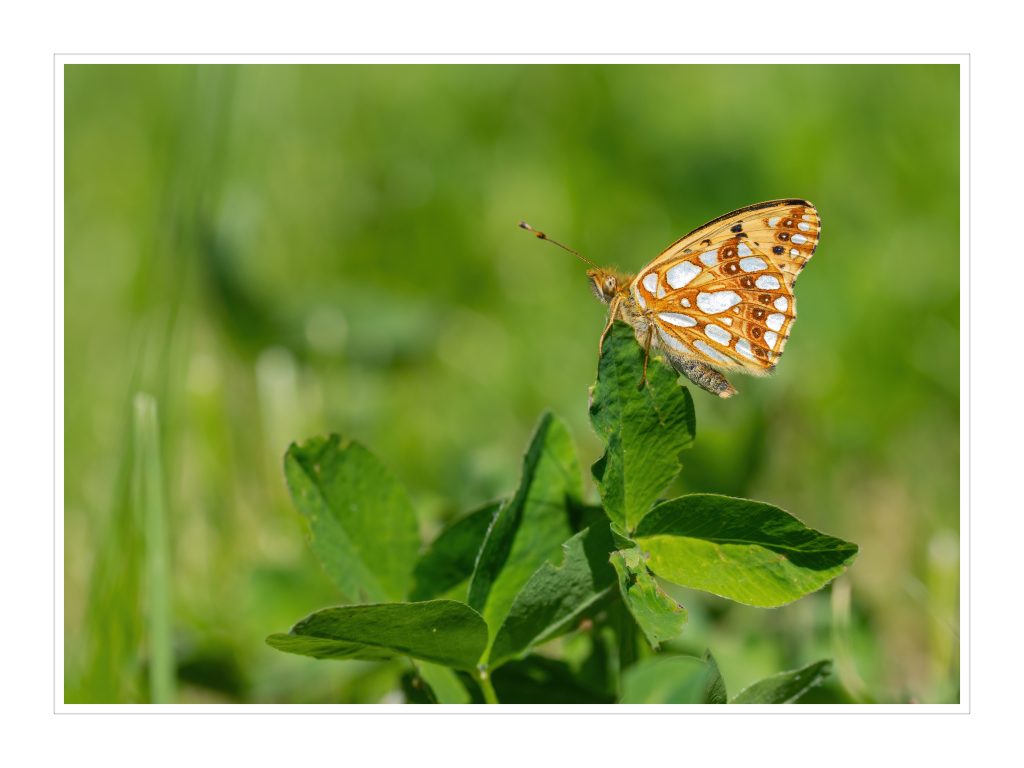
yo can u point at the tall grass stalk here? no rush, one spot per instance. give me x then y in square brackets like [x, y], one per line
[148, 498]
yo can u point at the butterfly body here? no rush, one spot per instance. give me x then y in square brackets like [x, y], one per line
[644, 323]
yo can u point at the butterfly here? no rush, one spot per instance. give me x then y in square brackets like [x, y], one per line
[720, 298]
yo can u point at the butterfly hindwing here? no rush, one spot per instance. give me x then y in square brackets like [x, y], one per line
[724, 292]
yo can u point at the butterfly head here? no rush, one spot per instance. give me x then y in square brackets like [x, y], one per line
[605, 283]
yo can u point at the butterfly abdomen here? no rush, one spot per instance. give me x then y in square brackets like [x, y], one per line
[703, 375]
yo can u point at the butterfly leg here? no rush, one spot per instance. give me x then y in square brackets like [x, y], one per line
[612, 312]
[647, 356]
[704, 376]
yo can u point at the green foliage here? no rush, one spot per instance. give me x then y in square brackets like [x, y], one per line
[362, 525]
[659, 616]
[674, 680]
[540, 680]
[785, 687]
[530, 528]
[444, 683]
[555, 598]
[441, 631]
[747, 551]
[445, 568]
[643, 431]
[689, 680]
[531, 580]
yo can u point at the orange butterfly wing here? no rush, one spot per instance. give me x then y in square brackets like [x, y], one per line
[723, 294]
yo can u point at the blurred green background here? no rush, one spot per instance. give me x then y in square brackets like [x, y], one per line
[272, 252]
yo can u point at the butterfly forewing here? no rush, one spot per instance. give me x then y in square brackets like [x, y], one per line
[724, 292]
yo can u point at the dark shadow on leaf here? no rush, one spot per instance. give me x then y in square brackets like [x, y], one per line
[451, 558]
[540, 680]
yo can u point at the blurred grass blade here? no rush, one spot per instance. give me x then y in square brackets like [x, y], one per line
[846, 665]
[148, 498]
[113, 619]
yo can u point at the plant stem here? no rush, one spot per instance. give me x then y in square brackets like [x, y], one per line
[485, 685]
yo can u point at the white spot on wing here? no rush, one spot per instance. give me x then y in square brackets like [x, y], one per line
[710, 258]
[661, 291]
[753, 264]
[708, 350]
[674, 318]
[681, 274]
[767, 282]
[716, 333]
[640, 300]
[727, 321]
[807, 217]
[794, 252]
[798, 239]
[743, 347]
[770, 338]
[671, 341]
[719, 301]
[685, 302]
[803, 226]
[773, 221]
[744, 250]
[775, 321]
[782, 303]
[651, 282]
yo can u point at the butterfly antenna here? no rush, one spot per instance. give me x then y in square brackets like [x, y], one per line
[540, 235]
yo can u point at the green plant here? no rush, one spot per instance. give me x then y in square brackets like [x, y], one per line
[511, 576]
